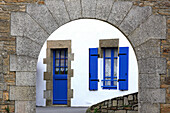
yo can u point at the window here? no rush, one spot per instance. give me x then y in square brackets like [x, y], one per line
[110, 56]
[61, 59]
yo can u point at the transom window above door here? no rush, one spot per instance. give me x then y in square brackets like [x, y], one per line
[110, 56]
[61, 61]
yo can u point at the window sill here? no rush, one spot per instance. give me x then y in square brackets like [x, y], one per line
[109, 87]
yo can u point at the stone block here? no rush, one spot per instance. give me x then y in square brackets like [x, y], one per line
[3, 86]
[1, 77]
[126, 101]
[119, 11]
[89, 8]
[41, 14]
[71, 92]
[103, 9]
[47, 94]
[58, 10]
[22, 93]
[136, 16]
[71, 72]
[130, 97]
[27, 47]
[26, 78]
[114, 102]
[153, 28]
[74, 8]
[25, 106]
[23, 25]
[149, 49]
[149, 108]
[120, 111]
[132, 111]
[1, 94]
[71, 56]
[165, 108]
[47, 76]
[149, 80]
[22, 63]
[49, 85]
[152, 65]
[109, 43]
[45, 61]
[152, 95]
[111, 111]
[120, 102]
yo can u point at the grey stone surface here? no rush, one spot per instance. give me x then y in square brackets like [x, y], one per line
[22, 63]
[73, 8]
[23, 25]
[110, 111]
[25, 78]
[130, 97]
[58, 10]
[114, 102]
[132, 111]
[153, 28]
[2, 86]
[152, 95]
[152, 65]
[22, 93]
[120, 102]
[103, 9]
[126, 101]
[149, 108]
[1, 94]
[120, 111]
[41, 14]
[1, 77]
[149, 49]
[136, 16]
[149, 80]
[119, 11]
[89, 8]
[25, 107]
[47, 94]
[27, 47]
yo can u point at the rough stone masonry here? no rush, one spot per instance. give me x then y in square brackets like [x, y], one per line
[26, 24]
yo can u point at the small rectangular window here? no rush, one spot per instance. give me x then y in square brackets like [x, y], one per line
[110, 68]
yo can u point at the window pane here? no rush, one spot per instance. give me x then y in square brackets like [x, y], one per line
[61, 70]
[62, 53]
[57, 53]
[107, 52]
[107, 83]
[115, 53]
[115, 82]
[66, 62]
[56, 70]
[107, 67]
[62, 62]
[56, 62]
[115, 67]
[66, 70]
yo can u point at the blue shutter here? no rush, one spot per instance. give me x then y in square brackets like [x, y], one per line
[123, 68]
[93, 68]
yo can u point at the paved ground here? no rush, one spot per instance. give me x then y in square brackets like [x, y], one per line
[60, 110]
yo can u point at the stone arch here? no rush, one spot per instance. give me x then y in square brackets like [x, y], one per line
[143, 29]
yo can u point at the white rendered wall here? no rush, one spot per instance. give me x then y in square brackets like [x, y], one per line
[85, 34]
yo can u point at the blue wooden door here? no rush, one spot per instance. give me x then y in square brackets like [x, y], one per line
[60, 69]
[123, 68]
[93, 68]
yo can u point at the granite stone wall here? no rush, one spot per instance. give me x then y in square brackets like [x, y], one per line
[26, 24]
[124, 104]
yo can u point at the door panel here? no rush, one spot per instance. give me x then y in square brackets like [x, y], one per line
[60, 76]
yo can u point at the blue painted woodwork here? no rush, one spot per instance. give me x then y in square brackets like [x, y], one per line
[93, 69]
[123, 68]
[112, 78]
[60, 76]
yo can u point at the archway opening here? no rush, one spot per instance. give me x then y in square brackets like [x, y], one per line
[85, 34]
